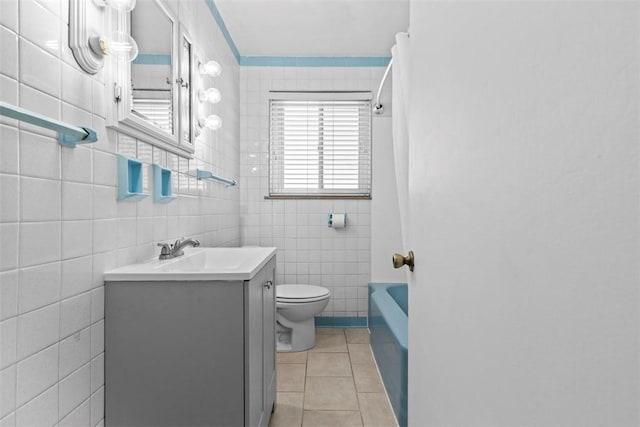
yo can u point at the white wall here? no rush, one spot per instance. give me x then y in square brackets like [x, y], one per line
[60, 224]
[308, 251]
[525, 130]
[386, 237]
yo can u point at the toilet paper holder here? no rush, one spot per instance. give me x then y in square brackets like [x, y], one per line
[337, 220]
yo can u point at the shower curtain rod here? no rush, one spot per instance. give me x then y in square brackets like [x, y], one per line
[377, 107]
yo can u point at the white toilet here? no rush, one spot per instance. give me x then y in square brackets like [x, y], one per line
[296, 306]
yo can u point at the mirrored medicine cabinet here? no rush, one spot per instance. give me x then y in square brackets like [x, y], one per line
[153, 96]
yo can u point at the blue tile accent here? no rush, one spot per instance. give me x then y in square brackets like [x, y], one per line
[314, 61]
[151, 59]
[367, 61]
[341, 322]
[162, 191]
[130, 179]
[218, 18]
[293, 61]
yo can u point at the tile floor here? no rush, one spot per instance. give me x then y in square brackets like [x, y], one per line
[334, 384]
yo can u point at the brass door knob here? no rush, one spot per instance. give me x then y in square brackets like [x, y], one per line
[399, 260]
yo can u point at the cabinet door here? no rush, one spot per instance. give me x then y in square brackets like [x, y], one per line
[260, 347]
[174, 354]
[269, 338]
[254, 403]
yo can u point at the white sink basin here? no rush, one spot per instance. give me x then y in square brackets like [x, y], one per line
[197, 264]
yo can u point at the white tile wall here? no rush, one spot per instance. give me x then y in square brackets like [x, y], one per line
[9, 46]
[75, 352]
[7, 390]
[36, 374]
[60, 224]
[42, 410]
[38, 329]
[8, 149]
[39, 286]
[8, 294]
[308, 251]
[81, 416]
[8, 329]
[74, 389]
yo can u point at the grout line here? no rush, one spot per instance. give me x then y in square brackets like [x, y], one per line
[58, 301]
[19, 227]
[353, 375]
[35, 397]
[87, 400]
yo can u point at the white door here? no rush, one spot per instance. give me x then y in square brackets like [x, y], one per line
[524, 206]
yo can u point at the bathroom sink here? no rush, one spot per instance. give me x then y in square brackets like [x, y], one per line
[198, 264]
[227, 259]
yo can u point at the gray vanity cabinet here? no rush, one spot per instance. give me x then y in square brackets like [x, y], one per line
[192, 353]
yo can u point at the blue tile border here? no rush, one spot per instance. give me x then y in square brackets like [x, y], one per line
[341, 322]
[223, 27]
[314, 61]
[152, 59]
[293, 61]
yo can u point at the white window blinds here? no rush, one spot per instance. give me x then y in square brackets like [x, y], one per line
[320, 147]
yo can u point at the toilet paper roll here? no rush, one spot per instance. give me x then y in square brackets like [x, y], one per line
[338, 220]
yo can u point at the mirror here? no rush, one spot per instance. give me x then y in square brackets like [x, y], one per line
[187, 89]
[152, 81]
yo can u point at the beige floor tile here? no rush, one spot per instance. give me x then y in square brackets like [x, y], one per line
[357, 335]
[288, 411]
[330, 393]
[332, 419]
[312, 390]
[375, 410]
[290, 377]
[330, 344]
[360, 353]
[297, 357]
[329, 331]
[367, 378]
[328, 365]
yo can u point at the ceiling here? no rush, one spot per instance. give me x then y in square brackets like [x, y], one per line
[360, 28]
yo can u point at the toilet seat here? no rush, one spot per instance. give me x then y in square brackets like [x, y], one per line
[301, 293]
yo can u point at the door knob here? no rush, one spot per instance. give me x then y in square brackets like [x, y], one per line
[268, 284]
[399, 260]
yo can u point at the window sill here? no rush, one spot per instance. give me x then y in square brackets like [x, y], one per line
[318, 197]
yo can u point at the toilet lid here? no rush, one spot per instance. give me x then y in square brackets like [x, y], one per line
[300, 293]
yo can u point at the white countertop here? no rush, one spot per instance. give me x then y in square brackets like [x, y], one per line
[197, 264]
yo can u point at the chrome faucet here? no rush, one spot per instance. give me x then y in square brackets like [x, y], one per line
[172, 251]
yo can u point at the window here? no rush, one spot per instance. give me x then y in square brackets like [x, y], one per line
[320, 146]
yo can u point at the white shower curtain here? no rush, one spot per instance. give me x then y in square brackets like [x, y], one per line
[400, 120]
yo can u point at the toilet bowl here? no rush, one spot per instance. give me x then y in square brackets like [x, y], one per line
[296, 306]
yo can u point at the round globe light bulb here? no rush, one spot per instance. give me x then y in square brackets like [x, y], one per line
[212, 122]
[122, 46]
[211, 95]
[119, 45]
[210, 68]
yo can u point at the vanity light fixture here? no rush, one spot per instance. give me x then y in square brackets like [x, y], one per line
[212, 122]
[210, 68]
[89, 41]
[211, 95]
[121, 5]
